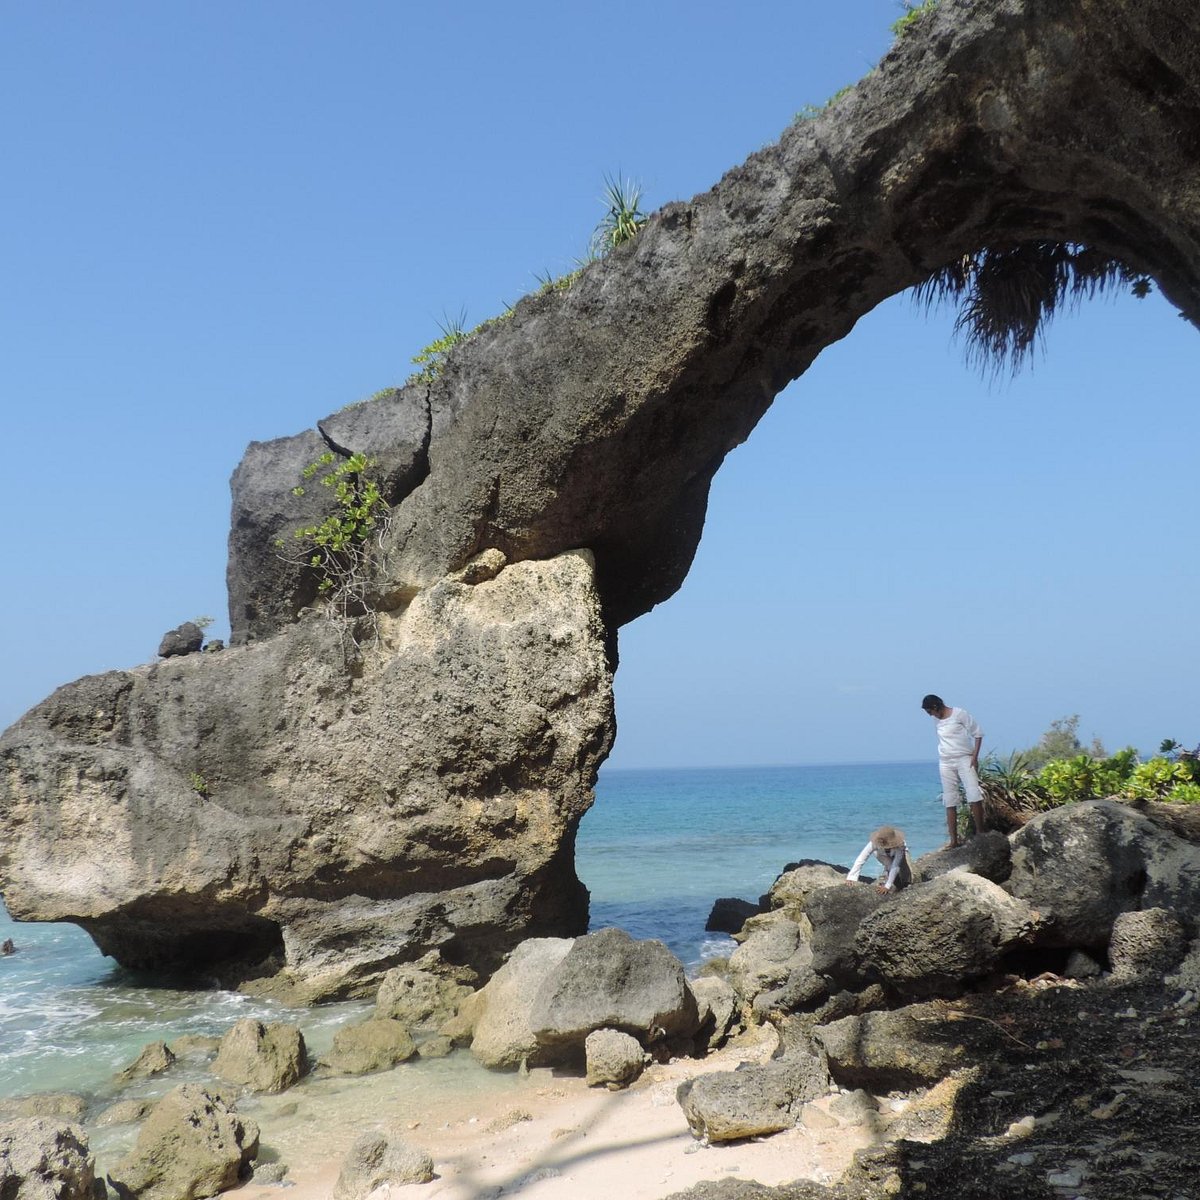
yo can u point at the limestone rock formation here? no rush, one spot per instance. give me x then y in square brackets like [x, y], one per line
[45, 1158]
[754, 1099]
[192, 1145]
[373, 1045]
[363, 805]
[378, 1160]
[1083, 865]
[614, 1059]
[608, 980]
[264, 1058]
[327, 811]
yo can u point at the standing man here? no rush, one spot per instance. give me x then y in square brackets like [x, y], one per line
[959, 739]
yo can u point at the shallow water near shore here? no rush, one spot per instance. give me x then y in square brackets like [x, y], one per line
[656, 850]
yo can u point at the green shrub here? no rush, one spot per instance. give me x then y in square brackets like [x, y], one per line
[1154, 778]
[1184, 793]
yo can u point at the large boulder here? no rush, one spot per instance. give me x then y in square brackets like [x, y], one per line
[930, 939]
[381, 1160]
[613, 1058]
[437, 775]
[192, 1145]
[717, 1009]
[1146, 945]
[45, 1158]
[754, 1099]
[835, 914]
[502, 1033]
[798, 881]
[263, 1058]
[422, 994]
[988, 854]
[890, 1051]
[607, 980]
[1083, 865]
[69, 1105]
[773, 967]
[374, 1045]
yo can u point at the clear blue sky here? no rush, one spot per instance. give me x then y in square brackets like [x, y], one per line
[222, 221]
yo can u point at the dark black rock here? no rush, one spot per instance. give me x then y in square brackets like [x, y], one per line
[729, 914]
[186, 639]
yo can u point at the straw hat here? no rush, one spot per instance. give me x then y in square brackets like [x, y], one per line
[887, 837]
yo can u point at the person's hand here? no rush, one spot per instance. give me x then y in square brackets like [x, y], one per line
[879, 887]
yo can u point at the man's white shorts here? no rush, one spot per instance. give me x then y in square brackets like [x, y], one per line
[955, 771]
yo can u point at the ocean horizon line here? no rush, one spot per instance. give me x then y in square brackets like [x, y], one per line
[606, 768]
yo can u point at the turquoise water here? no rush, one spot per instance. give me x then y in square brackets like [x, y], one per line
[656, 850]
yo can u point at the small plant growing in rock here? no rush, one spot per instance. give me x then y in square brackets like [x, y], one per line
[198, 784]
[431, 357]
[912, 14]
[337, 549]
[624, 218]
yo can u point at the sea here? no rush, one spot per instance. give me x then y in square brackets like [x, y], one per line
[656, 850]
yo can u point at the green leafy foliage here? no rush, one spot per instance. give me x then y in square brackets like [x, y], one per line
[624, 218]
[430, 358]
[198, 784]
[912, 14]
[337, 549]
[202, 623]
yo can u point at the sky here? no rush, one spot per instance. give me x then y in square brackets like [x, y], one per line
[221, 221]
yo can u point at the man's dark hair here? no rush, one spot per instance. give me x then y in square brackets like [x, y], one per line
[932, 703]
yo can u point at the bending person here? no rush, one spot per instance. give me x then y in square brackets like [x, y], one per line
[887, 844]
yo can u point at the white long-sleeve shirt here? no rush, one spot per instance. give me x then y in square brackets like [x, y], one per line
[956, 735]
[890, 859]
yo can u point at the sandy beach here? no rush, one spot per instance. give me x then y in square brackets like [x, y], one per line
[545, 1135]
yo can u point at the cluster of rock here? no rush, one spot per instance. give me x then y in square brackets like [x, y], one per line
[851, 978]
[850, 974]
[548, 486]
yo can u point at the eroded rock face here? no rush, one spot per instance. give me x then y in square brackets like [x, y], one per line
[1126, 861]
[360, 807]
[343, 812]
[192, 1145]
[45, 1158]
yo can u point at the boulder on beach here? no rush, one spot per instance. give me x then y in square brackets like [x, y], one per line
[1083, 865]
[1146, 945]
[609, 980]
[423, 994]
[155, 1058]
[379, 1160]
[798, 881]
[754, 1099]
[930, 939]
[773, 967]
[614, 1059]
[717, 1010]
[835, 914]
[891, 1050]
[264, 1058]
[988, 854]
[192, 1145]
[374, 1045]
[502, 1034]
[45, 1158]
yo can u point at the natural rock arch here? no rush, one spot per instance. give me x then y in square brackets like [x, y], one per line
[423, 790]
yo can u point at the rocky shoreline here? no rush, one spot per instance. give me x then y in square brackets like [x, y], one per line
[1022, 1017]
